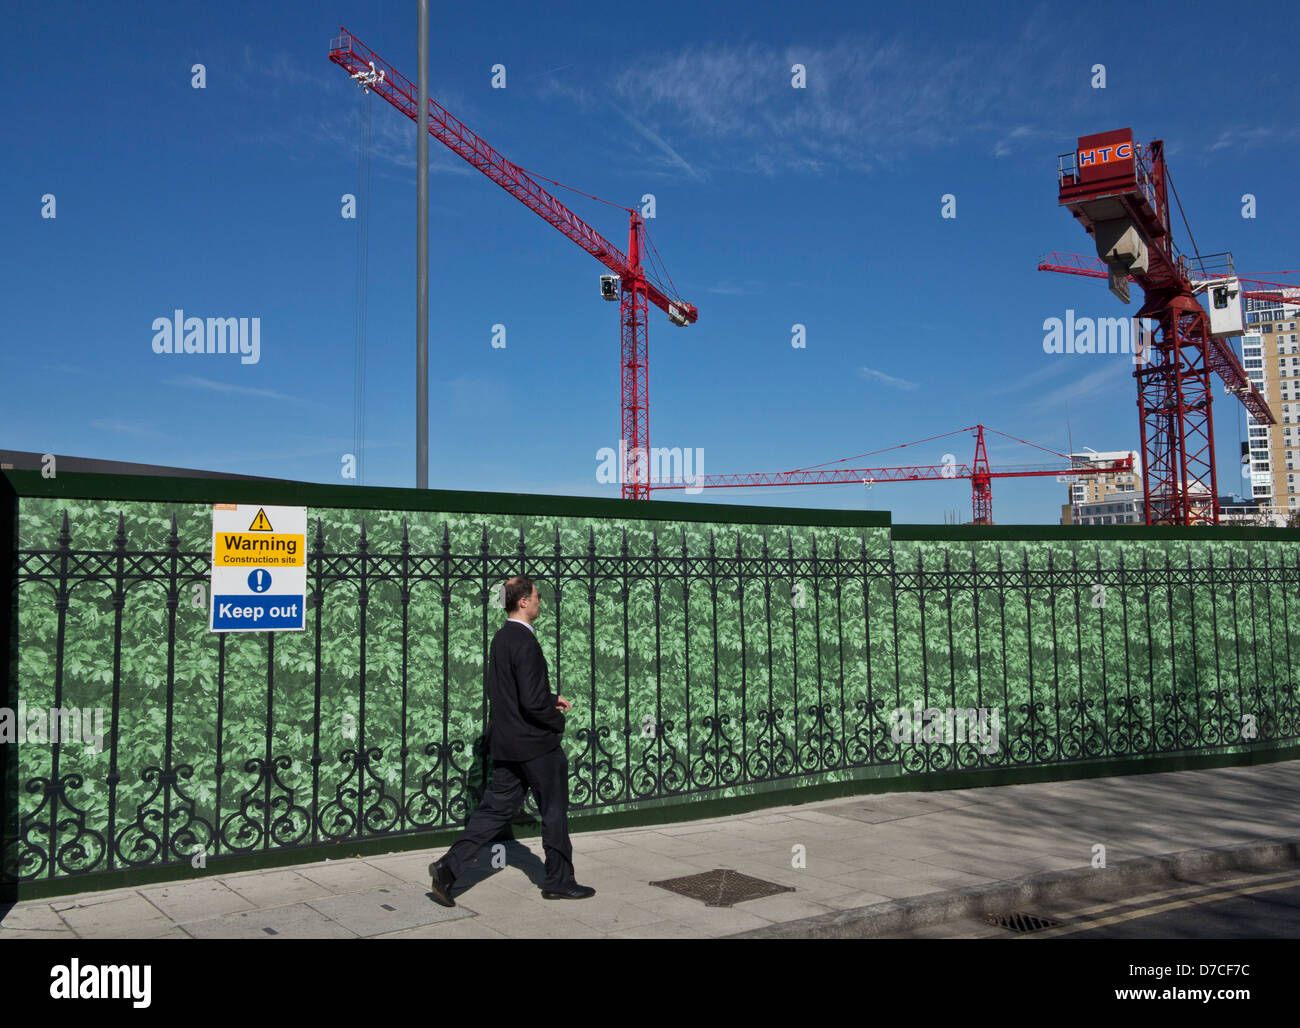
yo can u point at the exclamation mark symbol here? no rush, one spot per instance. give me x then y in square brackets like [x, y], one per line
[261, 579]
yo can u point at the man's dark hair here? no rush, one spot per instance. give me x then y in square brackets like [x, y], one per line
[518, 588]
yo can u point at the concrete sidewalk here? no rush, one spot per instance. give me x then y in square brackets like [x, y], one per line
[860, 852]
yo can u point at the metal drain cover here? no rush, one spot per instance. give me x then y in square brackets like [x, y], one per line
[1018, 921]
[722, 887]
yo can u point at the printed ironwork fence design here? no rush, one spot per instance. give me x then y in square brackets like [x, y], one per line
[705, 660]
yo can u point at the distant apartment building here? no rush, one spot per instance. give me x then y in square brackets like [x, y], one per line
[1118, 508]
[1270, 353]
[1104, 489]
[1239, 510]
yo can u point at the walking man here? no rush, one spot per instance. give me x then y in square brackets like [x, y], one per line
[525, 723]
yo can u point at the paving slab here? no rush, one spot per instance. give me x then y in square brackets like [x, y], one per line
[386, 909]
[461, 928]
[40, 918]
[591, 842]
[276, 888]
[406, 867]
[196, 901]
[883, 884]
[350, 875]
[489, 901]
[609, 915]
[125, 915]
[297, 921]
[663, 930]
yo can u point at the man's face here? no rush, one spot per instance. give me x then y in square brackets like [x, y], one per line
[529, 606]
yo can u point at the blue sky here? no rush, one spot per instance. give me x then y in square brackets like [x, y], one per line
[775, 206]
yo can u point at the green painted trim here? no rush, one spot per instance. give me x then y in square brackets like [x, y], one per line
[86, 486]
[871, 782]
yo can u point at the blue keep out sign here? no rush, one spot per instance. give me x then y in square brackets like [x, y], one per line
[259, 568]
[245, 613]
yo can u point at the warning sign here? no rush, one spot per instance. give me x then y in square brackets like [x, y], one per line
[232, 549]
[259, 568]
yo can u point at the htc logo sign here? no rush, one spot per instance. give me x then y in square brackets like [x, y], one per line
[1105, 154]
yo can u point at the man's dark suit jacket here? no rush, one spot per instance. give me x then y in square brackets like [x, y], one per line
[523, 722]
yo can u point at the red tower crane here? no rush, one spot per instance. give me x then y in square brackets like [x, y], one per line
[1118, 190]
[636, 291]
[978, 471]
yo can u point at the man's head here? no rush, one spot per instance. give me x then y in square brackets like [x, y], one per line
[522, 599]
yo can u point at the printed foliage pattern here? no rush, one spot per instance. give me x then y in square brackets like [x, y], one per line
[710, 660]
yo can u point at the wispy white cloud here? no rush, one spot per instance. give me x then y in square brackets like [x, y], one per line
[1019, 137]
[199, 382]
[1051, 370]
[1253, 136]
[889, 380]
[125, 428]
[674, 158]
[867, 101]
[268, 72]
[1105, 380]
[327, 111]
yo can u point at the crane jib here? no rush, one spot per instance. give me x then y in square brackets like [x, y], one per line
[356, 58]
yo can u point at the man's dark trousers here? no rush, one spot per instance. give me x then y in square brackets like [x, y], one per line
[548, 776]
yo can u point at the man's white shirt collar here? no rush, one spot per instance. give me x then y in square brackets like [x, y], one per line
[524, 623]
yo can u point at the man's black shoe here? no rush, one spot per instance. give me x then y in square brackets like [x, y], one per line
[572, 892]
[441, 883]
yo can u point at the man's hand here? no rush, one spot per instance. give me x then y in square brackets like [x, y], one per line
[564, 705]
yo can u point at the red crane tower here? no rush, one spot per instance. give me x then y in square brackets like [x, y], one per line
[635, 291]
[978, 471]
[1118, 190]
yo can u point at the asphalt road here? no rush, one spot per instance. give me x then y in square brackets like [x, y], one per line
[1224, 905]
[1250, 911]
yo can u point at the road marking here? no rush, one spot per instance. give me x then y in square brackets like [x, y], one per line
[1222, 890]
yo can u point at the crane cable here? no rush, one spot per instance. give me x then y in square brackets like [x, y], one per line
[589, 196]
[663, 268]
[1183, 214]
[886, 449]
[652, 255]
[942, 435]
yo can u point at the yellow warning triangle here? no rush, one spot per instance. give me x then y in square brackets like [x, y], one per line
[260, 523]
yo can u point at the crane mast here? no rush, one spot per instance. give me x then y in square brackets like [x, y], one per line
[1119, 192]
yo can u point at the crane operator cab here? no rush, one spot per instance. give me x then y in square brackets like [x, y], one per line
[609, 287]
